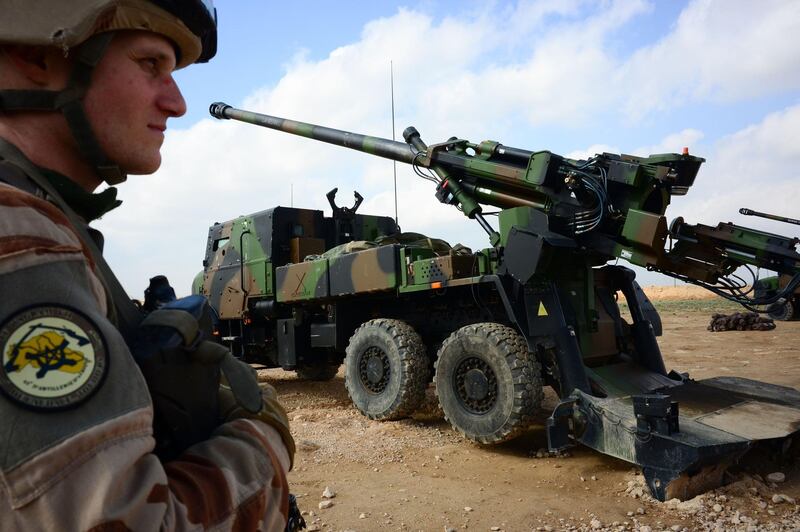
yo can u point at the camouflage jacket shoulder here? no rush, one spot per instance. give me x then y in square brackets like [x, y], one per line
[75, 413]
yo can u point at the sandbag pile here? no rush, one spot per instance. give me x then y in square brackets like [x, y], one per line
[740, 321]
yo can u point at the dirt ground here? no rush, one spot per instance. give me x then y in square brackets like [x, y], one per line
[418, 474]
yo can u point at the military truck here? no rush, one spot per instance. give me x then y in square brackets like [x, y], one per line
[539, 306]
[299, 290]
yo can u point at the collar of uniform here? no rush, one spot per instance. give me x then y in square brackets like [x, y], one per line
[87, 205]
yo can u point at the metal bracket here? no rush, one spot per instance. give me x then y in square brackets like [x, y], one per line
[558, 427]
[343, 212]
[657, 413]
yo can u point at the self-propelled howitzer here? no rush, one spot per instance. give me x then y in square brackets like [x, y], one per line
[610, 205]
[561, 221]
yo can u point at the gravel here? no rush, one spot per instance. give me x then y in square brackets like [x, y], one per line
[328, 430]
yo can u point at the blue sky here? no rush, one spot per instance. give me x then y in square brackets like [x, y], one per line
[576, 77]
[257, 38]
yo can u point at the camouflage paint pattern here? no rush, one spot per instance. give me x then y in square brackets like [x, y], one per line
[233, 480]
[269, 254]
[499, 175]
[560, 220]
[366, 271]
[302, 281]
[241, 255]
[222, 282]
[374, 145]
[261, 256]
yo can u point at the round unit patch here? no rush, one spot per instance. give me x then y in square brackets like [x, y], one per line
[52, 358]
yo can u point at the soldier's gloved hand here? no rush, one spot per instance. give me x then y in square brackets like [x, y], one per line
[271, 413]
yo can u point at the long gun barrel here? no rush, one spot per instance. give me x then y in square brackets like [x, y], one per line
[751, 212]
[412, 152]
[389, 149]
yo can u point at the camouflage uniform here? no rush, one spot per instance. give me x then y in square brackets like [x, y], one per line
[76, 417]
[91, 465]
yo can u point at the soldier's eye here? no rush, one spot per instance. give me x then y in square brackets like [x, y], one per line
[150, 64]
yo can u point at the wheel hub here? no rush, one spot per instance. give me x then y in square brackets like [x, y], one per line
[475, 385]
[374, 370]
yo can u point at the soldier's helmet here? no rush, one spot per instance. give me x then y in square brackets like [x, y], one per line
[83, 29]
[190, 24]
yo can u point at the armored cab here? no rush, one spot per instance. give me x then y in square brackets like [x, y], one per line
[242, 255]
[256, 264]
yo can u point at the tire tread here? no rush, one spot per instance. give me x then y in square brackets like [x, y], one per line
[526, 378]
[414, 362]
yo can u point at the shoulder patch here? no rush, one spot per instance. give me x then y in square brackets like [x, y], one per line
[52, 357]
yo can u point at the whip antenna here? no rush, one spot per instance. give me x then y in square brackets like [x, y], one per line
[394, 163]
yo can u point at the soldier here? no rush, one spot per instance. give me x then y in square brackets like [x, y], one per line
[86, 89]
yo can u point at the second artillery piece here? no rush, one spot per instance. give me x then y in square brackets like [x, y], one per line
[787, 308]
[537, 307]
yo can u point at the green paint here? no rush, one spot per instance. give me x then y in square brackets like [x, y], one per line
[371, 145]
[538, 166]
[516, 216]
[302, 282]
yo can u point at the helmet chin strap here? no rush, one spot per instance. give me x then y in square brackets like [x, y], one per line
[69, 102]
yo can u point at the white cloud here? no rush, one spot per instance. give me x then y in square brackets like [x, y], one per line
[673, 143]
[497, 73]
[757, 167]
[591, 151]
[720, 51]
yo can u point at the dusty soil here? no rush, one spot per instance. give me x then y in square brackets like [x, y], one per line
[418, 474]
[683, 292]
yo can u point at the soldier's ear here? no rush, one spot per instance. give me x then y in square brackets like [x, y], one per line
[41, 65]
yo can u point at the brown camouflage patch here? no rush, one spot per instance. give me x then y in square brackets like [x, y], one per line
[301, 247]
[201, 486]
[279, 482]
[364, 271]
[110, 526]
[14, 198]
[251, 512]
[159, 494]
[306, 280]
[14, 244]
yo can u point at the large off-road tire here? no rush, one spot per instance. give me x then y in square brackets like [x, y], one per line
[386, 369]
[783, 312]
[318, 372]
[488, 384]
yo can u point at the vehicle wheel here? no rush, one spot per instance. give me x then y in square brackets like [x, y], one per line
[386, 369]
[488, 384]
[783, 312]
[318, 372]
